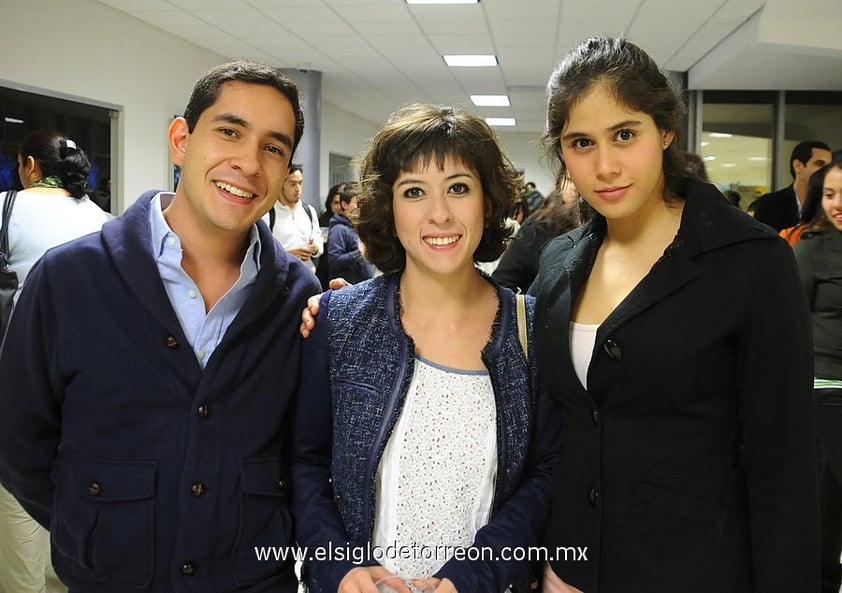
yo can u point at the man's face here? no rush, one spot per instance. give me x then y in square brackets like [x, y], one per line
[818, 159]
[291, 190]
[235, 159]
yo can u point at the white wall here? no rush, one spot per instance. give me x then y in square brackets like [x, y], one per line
[526, 153]
[147, 75]
[342, 133]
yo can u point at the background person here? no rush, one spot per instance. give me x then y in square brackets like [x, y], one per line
[294, 223]
[781, 209]
[819, 256]
[557, 215]
[688, 461]
[345, 252]
[53, 208]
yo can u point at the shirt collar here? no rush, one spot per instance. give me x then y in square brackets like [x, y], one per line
[162, 233]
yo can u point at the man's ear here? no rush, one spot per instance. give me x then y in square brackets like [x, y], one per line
[178, 136]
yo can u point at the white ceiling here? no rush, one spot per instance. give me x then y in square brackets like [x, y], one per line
[378, 54]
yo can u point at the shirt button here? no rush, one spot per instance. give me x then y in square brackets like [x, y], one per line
[593, 497]
[172, 342]
[187, 569]
[200, 354]
[612, 349]
[171, 242]
[197, 489]
[191, 293]
[203, 411]
[94, 489]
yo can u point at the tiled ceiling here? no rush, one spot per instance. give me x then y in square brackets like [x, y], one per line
[378, 54]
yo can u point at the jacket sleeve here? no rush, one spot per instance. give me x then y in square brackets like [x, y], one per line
[775, 376]
[518, 524]
[805, 255]
[342, 253]
[318, 524]
[518, 265]
[31, 394]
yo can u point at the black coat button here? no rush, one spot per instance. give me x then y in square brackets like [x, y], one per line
[593, 497]
[172, 342]
[282, 485]
[612, 349]
[595, 415]
[203, 411]
[94, 488]
[187, 569]
[197, 489]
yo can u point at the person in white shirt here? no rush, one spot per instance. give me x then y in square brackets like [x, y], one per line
[296, 224]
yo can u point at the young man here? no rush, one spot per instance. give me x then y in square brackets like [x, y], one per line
[147, 370]
[782, 209]
[294, 223]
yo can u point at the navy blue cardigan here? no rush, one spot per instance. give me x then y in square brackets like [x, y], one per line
[151, 474]
[359, 366]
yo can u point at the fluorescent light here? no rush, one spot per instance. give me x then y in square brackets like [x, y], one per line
[471, 61]
[705, 143]
[500, 121]
[442, 1]
[491, 100]
[709, 158]
[758, 158]
[719, 135]
[729, 164]
[13, 120]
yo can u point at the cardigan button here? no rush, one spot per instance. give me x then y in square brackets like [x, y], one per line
[282, 485]
[172, 342]
[595, 415]
[593, 497]
[187, 569]
[197, 489]
[612, 349]
[94, 489]
[203, 411]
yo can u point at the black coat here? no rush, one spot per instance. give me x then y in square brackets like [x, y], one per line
[778, 209]
[689, 464]
[518, 265]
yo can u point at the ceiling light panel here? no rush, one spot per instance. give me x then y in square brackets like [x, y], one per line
[500, 121]
[471, 60]
[491, 100]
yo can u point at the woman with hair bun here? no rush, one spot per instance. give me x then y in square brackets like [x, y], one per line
[53, 208]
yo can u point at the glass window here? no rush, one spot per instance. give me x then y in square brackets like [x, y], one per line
[736, 143]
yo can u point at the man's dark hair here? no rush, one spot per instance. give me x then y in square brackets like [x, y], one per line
[206, 91]
[803, 152]
[293, 167]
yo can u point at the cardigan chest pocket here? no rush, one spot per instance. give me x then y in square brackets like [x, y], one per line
[103, 514]
[265, 523]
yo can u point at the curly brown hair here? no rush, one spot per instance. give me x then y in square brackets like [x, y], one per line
[413, 137]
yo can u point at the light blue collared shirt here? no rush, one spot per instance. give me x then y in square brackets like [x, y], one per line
[204, 330]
